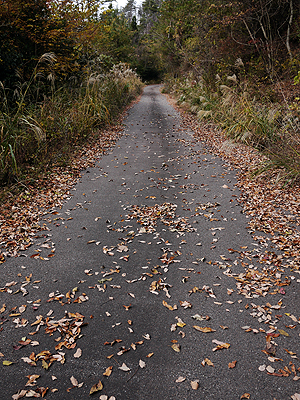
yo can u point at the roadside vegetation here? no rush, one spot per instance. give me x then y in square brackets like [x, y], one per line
[64, 76]
[69, 68]
[273, 128]
[237, 65]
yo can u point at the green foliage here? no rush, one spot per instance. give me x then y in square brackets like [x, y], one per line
[297, 79]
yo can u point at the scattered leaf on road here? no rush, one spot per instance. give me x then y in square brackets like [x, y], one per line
[108, 371]
[180, 379]
[96, 388]
[204, 330]
[124, 368]
[195, 384]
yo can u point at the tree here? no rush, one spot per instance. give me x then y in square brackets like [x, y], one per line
[129, 10]
[23, 27]
[148, 14]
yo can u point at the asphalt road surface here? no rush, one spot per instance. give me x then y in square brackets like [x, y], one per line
[141, 259]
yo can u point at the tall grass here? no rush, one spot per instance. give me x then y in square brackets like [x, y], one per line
[40, 123]
[272, 128]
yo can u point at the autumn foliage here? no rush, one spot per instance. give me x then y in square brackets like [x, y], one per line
[62, 76]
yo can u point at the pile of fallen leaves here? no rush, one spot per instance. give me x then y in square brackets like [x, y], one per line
[149, 216]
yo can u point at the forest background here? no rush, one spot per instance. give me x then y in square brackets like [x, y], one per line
[68, 68]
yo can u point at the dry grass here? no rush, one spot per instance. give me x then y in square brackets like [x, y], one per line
[41, 125]
[271, 127]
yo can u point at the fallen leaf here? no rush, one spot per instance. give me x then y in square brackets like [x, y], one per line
[124, 367]
[270, 369]
[8, 362]
[78, 353]
[204, 330]
[142, 364]
[246, 396]
[147, 336]
[282, 332]
[32, 393]
[74, 381]
[168, 306]
[195, 384]
[96, 388]
[108, 371]
[208, 362]
[232, 364]
[19, 395]
[220, 345]
[28, 361]
[185, 304]
[32, 380]
[180, 379]
[296, 396]
[200, 317]
[44, 364]
[176, 347]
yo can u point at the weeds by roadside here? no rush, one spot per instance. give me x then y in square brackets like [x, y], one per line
[40, 124]
[272, 128]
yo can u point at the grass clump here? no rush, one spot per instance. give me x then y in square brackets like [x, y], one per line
[247, 116]
[42, 120]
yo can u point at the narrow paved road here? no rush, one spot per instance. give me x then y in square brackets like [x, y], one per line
[141, 259]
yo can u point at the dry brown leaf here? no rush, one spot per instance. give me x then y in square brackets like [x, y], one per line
[124, 368]
[32, 380]
[78, 353]
[168, 306]
[246, 396]
[208, 362]
[185, 304]
[220, 345]
[204, 330]
[232, 364]
[195, 384]
[176, 347]
[96, 388]
[74, 381]
[108, 371]
[180, 379]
